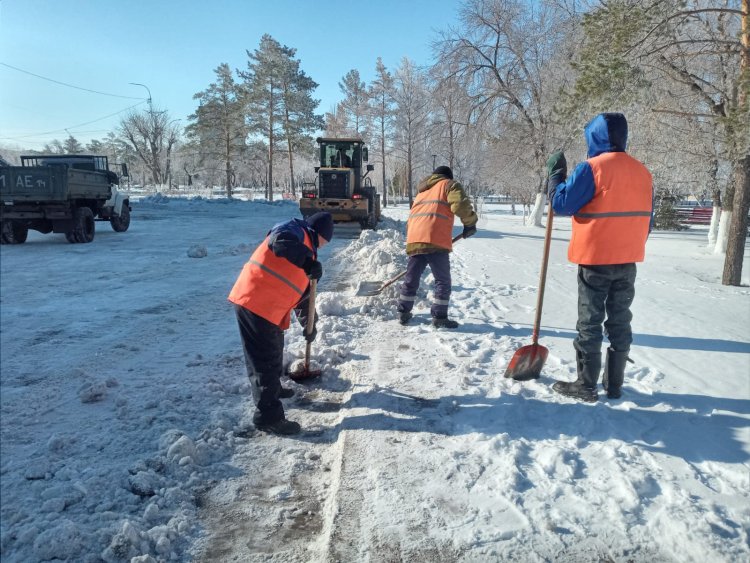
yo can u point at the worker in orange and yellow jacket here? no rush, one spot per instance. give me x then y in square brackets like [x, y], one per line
[274, 281]
[610, 197]
[429, 234]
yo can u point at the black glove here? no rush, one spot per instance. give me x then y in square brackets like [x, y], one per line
[311, 337]
[557, 165]
[469, 231]
[313, 269]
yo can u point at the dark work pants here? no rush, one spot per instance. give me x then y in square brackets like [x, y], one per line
[440, 266]
[263, 344]
[605, 291]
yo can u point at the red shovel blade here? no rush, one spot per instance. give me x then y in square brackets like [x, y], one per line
[527, 363]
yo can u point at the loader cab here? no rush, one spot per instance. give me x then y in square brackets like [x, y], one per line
[340, 153]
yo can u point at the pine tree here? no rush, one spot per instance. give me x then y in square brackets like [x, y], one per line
[218, 127]
[279, 104]
[355, 102]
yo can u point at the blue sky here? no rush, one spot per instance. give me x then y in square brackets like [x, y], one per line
[173, 47]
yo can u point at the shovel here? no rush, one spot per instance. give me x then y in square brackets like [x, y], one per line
[371, 288]
[303, 371]
[528, 361]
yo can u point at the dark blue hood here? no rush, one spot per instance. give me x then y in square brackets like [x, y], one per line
[607, 132]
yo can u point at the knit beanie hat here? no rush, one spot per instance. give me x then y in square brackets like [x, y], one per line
[322, 223]
[444, 171]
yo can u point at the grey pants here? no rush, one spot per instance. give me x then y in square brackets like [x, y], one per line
[605, 294]
[440, 266]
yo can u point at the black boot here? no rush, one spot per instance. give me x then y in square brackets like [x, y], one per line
[614, 373]
[444, 322]
[583, 388]
[286, 393]
[281, 427]
[404, 317]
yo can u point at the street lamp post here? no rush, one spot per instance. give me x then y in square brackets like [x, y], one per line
[150, 105]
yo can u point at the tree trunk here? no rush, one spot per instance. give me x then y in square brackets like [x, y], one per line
[291, 166]
[409, 175]
[738, 227]
[382, 153]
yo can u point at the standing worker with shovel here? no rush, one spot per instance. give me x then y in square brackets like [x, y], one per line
[428, 242]
[610, 197]
[278, 278]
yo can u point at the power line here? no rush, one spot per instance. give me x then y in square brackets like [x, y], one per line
[72, 126]
[66, 84]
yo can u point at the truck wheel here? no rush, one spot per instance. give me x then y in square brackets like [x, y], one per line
[13, 233]
[83, 230]
[121, 223]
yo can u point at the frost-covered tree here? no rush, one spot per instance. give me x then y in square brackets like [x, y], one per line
[412, 112]
[508, 54]
[380, 96]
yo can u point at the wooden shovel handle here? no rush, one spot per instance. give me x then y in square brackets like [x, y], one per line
[543, 275]
[310, 320]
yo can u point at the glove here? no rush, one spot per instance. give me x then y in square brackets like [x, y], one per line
[313, 269]
[469, 231]
[557, 165]
[311, 337]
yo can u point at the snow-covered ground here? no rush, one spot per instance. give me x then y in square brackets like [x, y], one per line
[126, 417]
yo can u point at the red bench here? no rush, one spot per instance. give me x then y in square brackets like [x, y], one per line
[690, 215]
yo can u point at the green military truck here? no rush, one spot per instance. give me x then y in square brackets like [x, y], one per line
[60, 194]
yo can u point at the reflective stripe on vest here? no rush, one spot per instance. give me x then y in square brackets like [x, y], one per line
[613, 227]
[431, 219]
[270, 286]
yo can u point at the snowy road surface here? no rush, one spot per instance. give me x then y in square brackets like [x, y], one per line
[126, 419]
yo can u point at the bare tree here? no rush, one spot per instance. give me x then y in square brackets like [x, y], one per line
[151, 135]
[412, 112]
[504, 51]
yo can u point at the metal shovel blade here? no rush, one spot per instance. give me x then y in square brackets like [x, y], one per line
[369, 288]
[527, 363]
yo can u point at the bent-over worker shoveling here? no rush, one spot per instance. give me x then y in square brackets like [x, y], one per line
[281, 275]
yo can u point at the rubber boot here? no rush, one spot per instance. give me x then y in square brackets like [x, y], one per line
[614, 373]
[404, 317]
[583, 388]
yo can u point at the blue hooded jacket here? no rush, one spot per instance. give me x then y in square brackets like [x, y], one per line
[607, 132]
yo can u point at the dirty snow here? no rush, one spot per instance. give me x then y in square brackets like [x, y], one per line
[126, 417]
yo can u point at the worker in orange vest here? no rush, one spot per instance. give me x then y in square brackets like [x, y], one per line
[610, 197]
[274, 281]
[429, 234]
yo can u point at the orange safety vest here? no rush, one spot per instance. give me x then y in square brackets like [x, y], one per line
[613, 227]
[270, 286]
[431, 219]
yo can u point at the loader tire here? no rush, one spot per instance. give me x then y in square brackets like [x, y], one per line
[83, 229]
[121, 222]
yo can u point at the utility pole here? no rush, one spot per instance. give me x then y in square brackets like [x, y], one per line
[434, 156]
